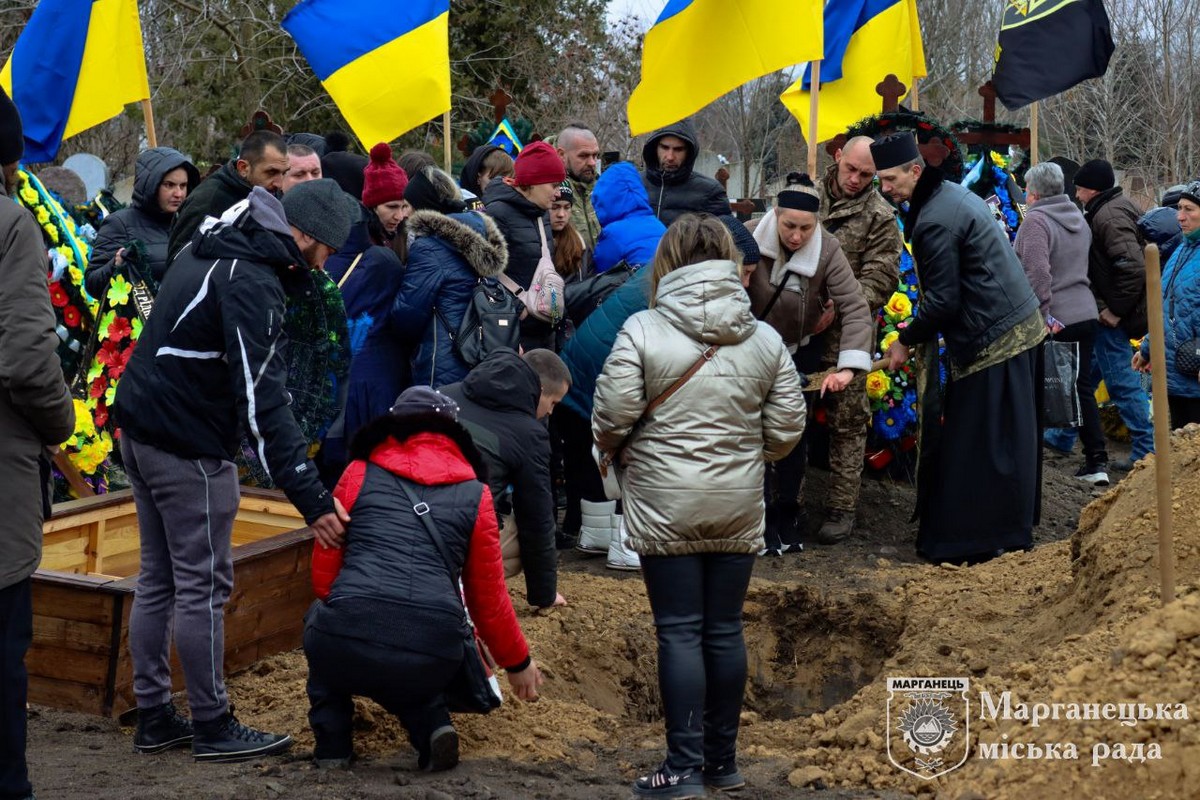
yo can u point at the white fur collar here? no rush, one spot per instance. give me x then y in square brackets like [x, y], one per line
[803, 262]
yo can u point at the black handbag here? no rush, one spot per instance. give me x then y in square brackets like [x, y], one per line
[1060, 398]
[491, 321]
[472, 690]
[585, 296]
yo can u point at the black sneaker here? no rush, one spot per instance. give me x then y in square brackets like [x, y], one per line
[666, 782]
[725, 778]
[1093, 472]
[160, 728]
[794, 547]
[225, 739]
[443, 750]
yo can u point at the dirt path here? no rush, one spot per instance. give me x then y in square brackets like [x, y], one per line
[823, 630]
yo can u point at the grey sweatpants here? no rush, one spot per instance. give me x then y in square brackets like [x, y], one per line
[185, 509]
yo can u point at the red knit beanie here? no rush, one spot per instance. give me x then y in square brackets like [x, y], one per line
[383, 179]
[538, 163]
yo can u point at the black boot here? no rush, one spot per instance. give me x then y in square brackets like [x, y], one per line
[225, 739]
[160, 728]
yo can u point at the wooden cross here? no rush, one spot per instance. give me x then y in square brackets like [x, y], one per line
[464, 145]
[261, 121]
[989, 137]
[500, 100]
[891, 90]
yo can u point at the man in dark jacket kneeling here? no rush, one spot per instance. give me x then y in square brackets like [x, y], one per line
[503, 403]
[210, 363]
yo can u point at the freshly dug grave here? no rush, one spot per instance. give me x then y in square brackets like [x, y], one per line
[1071, 622]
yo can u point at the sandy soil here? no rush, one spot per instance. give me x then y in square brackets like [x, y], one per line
[1075, 620]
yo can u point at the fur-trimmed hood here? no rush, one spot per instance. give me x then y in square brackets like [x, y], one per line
[474, 235]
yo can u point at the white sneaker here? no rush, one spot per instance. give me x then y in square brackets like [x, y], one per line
[595, 531]
[619, 556]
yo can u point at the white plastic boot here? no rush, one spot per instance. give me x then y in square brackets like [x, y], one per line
[619, 556]
[595, 530]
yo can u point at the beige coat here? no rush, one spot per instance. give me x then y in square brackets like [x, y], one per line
[35, 407]
[693, 475]
[815, 273]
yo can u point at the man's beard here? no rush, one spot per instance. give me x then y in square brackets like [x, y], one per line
[310, 253]
[580, 178]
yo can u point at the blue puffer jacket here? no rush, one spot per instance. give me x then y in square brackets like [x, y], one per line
[369, 291]
[1161, 226]
[629, 229]
[585, 352]
[1181, 306]
[446, 258]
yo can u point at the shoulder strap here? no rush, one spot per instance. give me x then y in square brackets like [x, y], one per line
[704, 358]
[353, 264]
[775, 297]
[511, 285]
[421, 509]
[542, 234]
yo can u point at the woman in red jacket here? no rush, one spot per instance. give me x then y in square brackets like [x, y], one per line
[388, 621]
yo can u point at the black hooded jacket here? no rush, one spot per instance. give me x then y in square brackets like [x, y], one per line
[144, 220]
[469, 177]
[218, 192]
[682, 190]
[210, 361]
[498, 403]
[517, 217]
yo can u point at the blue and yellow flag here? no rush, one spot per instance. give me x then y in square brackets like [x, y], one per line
[385, 64]
[700, 49]
[76, 64]
[866, 40]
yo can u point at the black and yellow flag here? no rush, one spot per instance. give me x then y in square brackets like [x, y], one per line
[1047, 46]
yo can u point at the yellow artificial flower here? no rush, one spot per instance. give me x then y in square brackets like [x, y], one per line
[76, 275]
[878, 384]
[52, 232]
[999, 160]
[83, 419]
[67, 252]
[29, 195]
[888, 340]
[898, 308]
[118, 291]
[43, 216]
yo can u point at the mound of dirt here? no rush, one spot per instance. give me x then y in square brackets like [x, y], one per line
[1072, 622]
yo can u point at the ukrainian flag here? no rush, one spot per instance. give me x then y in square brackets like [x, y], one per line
[76, 64]
[866, 41]
[700, 49]
[385, 64]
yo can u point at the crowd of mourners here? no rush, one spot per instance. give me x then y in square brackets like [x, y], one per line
[546, 356]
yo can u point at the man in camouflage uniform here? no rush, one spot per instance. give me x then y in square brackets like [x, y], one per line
[864, 223]
[580, 152]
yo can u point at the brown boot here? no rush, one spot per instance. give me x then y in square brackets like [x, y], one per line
[837, 527]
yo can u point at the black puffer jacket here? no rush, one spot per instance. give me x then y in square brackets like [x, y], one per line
[1116, 265]
[517, 217]
[212, 197]
[210, 361]
[973, 288]
[675, 193]
[144, 220]
[497, 404]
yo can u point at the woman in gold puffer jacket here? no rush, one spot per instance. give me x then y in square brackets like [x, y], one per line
[692, 478]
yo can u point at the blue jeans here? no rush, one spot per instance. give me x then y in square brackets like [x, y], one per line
[1110, 360]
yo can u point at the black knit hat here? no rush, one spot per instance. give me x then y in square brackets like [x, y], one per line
[322, 210]
[565, 193]
[1190, 192]
[1096, 175]
[424, 400]
[12, 140]
[894, 150]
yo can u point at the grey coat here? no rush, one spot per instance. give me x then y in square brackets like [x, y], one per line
[1053, 247]
[35, 407]
[693, 472]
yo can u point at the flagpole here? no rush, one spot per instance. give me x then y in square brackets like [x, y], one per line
[446, 139]
[1033, 133]
[148, 113]
[915, 95]
[814, 83]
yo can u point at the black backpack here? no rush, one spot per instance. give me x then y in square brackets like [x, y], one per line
[492, 320]
[585, 296]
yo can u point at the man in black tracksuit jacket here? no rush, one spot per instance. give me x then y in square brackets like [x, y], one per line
[503, 403]
[210, 362]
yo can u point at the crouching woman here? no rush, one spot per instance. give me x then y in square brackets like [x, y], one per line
[388, 623]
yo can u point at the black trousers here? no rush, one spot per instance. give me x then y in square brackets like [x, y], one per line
[788, 472]
[16, 634]
[579, 468]
[405, 683]
[1183, 410]
[1090, 433]
[697, 605]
